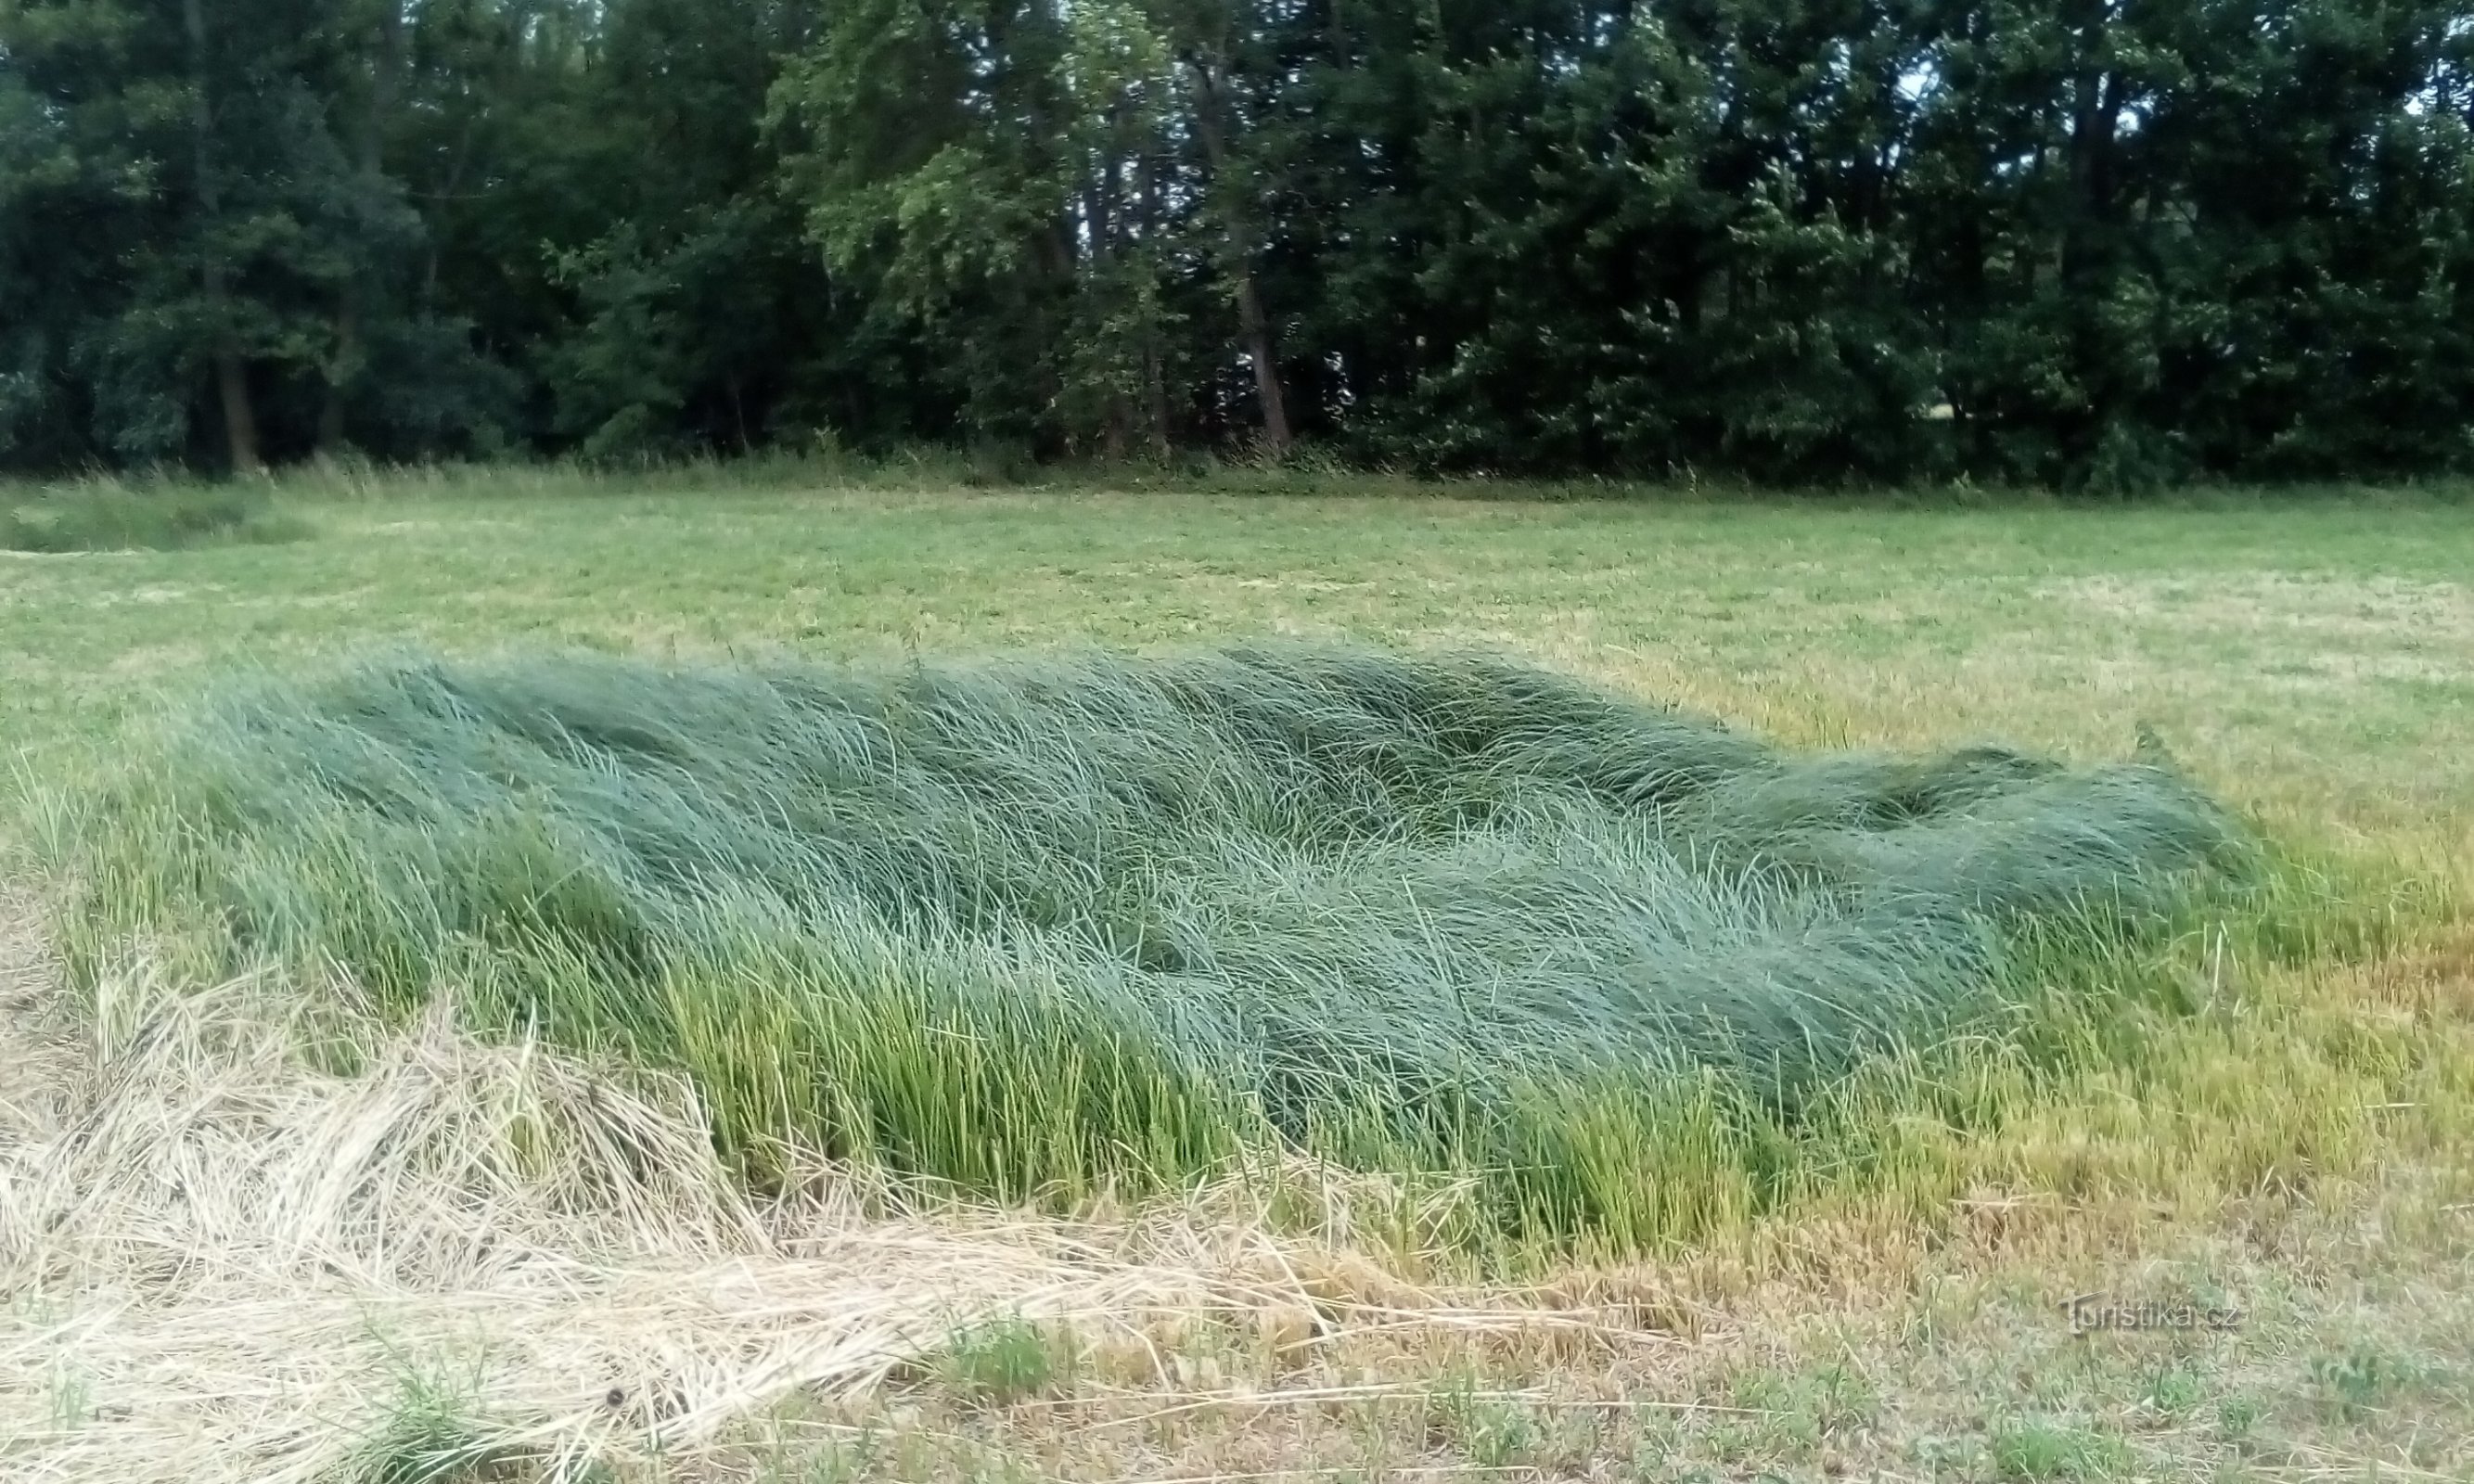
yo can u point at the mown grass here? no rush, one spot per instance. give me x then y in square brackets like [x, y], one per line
[1057, 924]
[115, 517]
[1972, 1377]
[2310, 662]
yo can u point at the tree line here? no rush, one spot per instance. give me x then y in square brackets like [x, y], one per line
[2080, 243]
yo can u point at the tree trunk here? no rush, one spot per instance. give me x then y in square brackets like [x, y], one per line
[1156, 390]
[1253, 325]
[346, 364]
[2087, 243]
[231, 375]
[738, 415]
[1103, 224]
[1155, 353]
[240, 420]
[340, 370]
[1256, 328]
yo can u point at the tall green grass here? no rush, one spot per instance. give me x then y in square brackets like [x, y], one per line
[1047, 923]
[110, 516]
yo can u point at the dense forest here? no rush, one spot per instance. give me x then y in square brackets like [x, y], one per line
[2084, 243]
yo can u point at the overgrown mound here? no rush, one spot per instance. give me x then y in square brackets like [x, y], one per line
[1046, 921]
[113, 519]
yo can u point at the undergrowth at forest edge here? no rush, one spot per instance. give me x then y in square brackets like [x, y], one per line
[106, 516]
[1044, 925]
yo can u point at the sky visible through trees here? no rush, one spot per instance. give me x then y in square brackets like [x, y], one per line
[2097, 244]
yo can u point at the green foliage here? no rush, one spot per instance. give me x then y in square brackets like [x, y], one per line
[1039, 925]
[1494, 1435]
[429, 1437]
[208, 261]
[2363, 1378]
[1793, 1413]
[2025, 1452]
[108, 518]
[2173, 1390]
[1000, 1361]
[2096, 248]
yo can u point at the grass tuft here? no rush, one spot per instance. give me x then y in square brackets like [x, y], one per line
[1000, 1361]
[2031, 1450]
[430, 1438]
[1050, 925]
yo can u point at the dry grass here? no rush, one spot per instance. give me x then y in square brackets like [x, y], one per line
[1969, 1374]
[458, 1260]
[35, 1050]
[221, 1263]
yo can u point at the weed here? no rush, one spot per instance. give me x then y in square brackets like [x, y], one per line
[1655, 1448]
[429, 1438]
[1491, 1433]
[72, 1399]
[1786, 1416]
[2031, 1449]
[2237, 1416]
[2360, 1379]
[1000, 1361]
[2173, 1390]
[833, 1462]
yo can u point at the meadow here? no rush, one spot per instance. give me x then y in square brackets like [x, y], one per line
[2228, 1060]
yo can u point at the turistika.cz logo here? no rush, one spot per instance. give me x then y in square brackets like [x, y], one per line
[2089, 1313]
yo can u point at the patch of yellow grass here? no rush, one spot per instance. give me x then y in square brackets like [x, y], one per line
[223, 1264]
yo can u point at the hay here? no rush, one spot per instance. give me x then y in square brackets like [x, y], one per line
[220, 1264]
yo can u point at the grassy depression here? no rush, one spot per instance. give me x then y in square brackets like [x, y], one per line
[1052, 923]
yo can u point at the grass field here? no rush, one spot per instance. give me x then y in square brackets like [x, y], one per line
[2288, 1140]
